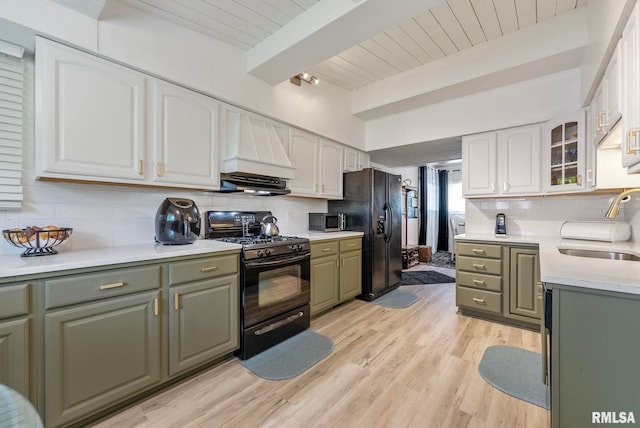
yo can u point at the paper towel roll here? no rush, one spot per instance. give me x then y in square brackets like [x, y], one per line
[596, 231]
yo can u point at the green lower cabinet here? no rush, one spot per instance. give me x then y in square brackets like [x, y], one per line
[203, 322]
[350, 274]
[14, 355]
[324, 283]
[595, 344]
[525, 289]
[98, 354]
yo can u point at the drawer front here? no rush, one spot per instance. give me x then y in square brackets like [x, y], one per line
[478, 299]
[479, 281]
[326, 248]
[350, 244]
[14, 300]
[479, 250]
[204, 268]
[99, 285]
[476, 264]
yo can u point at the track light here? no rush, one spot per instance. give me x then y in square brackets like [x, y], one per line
[306, 77]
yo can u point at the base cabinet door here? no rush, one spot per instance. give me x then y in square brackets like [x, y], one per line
[350, 274]
[324, 283]
[203, 322]
[525, 293]
[14, 355]
[98, 354]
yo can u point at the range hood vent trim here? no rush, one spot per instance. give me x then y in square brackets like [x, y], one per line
[253, 184]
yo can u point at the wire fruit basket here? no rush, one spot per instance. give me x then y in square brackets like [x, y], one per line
[37, 241]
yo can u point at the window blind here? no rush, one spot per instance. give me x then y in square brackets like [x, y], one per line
[11, 116]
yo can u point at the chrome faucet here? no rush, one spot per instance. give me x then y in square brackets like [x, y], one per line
[612, 212]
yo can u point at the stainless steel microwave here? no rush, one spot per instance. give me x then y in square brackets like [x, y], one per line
[327, 222]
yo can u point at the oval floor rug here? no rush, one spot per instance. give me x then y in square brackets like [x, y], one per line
[290, 358]
[516, 372]
[396, 299]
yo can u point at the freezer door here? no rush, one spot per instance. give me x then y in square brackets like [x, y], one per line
[380, 226]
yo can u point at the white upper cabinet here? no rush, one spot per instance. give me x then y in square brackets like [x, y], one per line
[606, 108]
[479, 173]
[355, 160]
[631, 92]
[98, 121]
[506, 162]
[184, 131]
[90, 117]
[564, 154]
[318, 166]
[519, 160]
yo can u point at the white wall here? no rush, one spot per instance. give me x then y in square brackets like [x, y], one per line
[202, 63]
[532, 101]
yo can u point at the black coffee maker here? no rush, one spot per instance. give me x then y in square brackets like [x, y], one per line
[177, 222]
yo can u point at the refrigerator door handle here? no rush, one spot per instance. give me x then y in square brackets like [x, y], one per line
[389, 226]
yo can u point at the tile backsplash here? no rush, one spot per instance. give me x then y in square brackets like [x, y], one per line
[104, 216]
[543, 215]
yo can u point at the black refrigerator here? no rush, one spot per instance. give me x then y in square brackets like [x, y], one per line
[372, 202]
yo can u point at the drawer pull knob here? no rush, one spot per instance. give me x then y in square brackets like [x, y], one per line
[478, 251]
[324, 250]
[478, 265]
[352, 245]
[208, 269]
[112, 285]
[478, 282]
[478, 300]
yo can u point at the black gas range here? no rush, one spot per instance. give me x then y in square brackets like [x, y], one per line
[275, 279]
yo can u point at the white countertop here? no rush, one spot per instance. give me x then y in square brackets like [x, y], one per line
[557, 268]
[14, 265]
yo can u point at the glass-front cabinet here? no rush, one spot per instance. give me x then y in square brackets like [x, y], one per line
[565, 154]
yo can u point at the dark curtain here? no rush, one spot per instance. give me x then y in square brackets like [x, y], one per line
[422, 198]
[443, 212]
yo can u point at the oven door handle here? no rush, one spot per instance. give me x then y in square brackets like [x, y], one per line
[277, 262]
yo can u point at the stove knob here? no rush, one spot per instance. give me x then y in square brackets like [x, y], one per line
[260, 253]
[267, 251]
[299, 247]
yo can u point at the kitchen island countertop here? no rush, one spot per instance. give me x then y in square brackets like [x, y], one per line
[556, 268]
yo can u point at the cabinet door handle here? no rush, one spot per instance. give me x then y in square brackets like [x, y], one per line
[478, 282]
[505, 186]
[208, 269]
[352, 245]
[478, 266]
[478, 300]
[589, 176]
[600, 122]
[337, 263]
[326, 250]
[156, 306]
[113, 285]
[140, 166]
[477, 251]
[160, 169]
[176, 301]
[493, 186]
[633, 135]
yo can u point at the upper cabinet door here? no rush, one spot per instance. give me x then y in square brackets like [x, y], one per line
[479, 174]
[519, 160]
[89, 115]
[564, 154]
[331, 169]
[631, 90]
[351, 159]
[184, 132]
[303, 154]
[613, 79]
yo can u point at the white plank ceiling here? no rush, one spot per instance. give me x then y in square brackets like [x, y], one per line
[447, 28]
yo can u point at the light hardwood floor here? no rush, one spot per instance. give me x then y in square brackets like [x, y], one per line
[412, 367]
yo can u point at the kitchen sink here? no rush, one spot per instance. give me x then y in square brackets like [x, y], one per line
[599, 254]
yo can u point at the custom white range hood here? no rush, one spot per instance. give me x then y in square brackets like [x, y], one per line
[252, 144]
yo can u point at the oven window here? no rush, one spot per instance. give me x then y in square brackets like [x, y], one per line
[278, 285]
